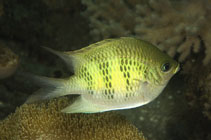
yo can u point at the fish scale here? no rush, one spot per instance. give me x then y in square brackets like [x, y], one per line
[111, 74]
[107, 81]
[108, 78]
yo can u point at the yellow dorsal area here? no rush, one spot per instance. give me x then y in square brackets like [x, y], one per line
[90, 48]
[103, 50]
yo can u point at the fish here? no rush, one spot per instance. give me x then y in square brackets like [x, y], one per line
[111, 74]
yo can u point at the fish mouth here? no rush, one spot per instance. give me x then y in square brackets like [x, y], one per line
[177, 68]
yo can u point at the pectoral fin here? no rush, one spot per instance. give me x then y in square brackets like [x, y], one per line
[143, 85]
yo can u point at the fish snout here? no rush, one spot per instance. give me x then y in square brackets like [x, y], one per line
[178, 67]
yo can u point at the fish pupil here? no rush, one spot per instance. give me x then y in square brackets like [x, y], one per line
[165, 67]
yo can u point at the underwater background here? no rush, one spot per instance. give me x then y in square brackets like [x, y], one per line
[180, 28]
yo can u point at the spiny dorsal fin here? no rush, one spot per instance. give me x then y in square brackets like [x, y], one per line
[90, 47]
[74, 59]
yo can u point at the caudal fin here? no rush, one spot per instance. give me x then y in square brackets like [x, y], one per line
[51, 88]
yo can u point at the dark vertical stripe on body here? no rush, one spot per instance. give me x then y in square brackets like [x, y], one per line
[104, 70]
[125, 68]
[85, 74]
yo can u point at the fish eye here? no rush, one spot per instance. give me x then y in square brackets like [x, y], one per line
[166, 67]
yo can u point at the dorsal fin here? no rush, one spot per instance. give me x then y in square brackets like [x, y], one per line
[72, 61]
[90, 47]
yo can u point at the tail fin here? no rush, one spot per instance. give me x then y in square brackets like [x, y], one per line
[51, 88]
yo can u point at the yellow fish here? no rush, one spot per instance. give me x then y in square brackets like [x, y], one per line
[111, 74]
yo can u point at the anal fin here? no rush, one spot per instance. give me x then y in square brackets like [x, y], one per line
[81, 105]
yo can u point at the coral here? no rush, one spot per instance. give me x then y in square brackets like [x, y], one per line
[207, 97]
[198, 91]
[174, 26]
[109, 18]
[8, 61]
[45, 121]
